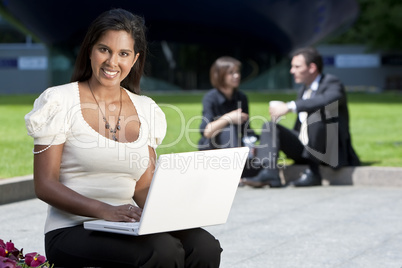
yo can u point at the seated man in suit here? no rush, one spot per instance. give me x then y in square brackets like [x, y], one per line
[321, 131]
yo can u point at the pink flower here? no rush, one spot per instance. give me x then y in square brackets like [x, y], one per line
[8, 250]
[3, 250]
[34, 259]
[10, 257]
[7, 263]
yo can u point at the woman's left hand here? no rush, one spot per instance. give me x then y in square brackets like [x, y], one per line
[127, 213]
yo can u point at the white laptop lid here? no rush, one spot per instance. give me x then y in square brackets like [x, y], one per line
[188, 190]
[192, 189]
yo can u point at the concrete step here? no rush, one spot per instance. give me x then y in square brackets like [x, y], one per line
[361, 176]
[22, 188]
[16, 189]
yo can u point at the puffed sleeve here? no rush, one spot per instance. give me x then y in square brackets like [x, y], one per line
[46, 122]
[156, 122]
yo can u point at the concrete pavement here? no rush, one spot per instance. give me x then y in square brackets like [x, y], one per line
[328, 226]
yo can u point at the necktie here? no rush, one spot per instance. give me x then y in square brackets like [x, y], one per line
[303, 135]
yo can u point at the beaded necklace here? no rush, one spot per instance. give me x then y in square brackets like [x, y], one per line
[107, 125]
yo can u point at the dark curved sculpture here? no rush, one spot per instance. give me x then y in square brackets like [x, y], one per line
[243, 28]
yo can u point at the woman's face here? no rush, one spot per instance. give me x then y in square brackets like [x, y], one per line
[233, 77]
[112, 57]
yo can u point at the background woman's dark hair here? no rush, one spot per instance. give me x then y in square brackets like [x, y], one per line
[116, 20]
[311, 55]
[220, 68]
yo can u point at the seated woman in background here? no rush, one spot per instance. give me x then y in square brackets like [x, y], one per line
[225, 122]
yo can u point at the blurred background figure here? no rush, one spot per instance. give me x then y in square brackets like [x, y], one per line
[321, 132]
[225, 112]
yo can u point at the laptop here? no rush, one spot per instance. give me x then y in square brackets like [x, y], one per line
[188, 190]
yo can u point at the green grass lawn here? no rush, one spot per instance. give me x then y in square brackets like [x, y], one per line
[376, 126]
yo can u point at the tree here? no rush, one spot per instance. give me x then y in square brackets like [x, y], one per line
[379, 26]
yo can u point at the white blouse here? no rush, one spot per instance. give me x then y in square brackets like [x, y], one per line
[92, 165]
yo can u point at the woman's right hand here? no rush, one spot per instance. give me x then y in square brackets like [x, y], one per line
[236, 117]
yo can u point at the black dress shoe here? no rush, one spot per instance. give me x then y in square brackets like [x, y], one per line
[265, 177]
[308, 178]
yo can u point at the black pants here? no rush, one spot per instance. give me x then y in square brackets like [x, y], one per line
[275, 138]
[228, 137]
[77, 247]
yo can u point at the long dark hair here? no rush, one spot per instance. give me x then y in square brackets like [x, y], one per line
[117, 20]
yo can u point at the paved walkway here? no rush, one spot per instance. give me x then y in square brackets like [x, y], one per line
[328, 226]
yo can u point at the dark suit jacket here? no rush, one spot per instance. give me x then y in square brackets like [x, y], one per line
[328, 124]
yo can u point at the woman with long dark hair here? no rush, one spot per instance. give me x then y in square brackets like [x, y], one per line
[86, 133]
